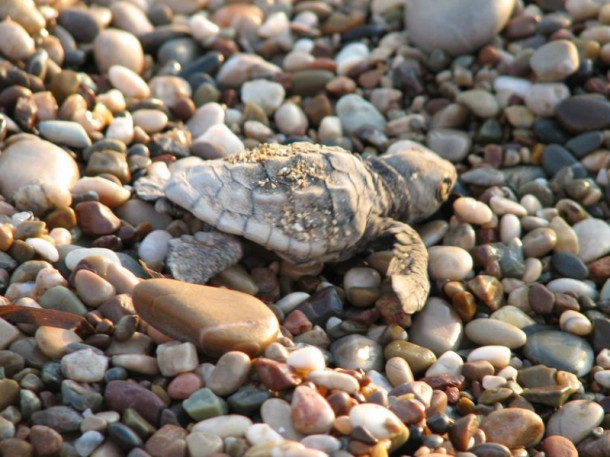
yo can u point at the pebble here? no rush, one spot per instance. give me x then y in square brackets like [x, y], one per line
[118, 47]
[593, 239]
[355, 112]
[555, 60]
[84, 366]
[206, 116]
[513, 427]
[437, 327]
[230, 373]
[488, 332]
[498, 356]
[16, 43]
[380, 422]
[128, 81]
[449, 262]
[560, 350]
[448, 27]
[222, 139]
[450, 144]
[472, 211]
[291, 120]
[49, 166]
[542, 98]
[269, 95]
[354, 352]
[557, 445]
[88, 442]
[583, 113]
[575, 420]
[310, 412]
[480, 102]
[175, 358]
[242, 67]
[189, 312]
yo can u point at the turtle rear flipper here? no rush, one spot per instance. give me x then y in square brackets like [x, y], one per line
[408, 270]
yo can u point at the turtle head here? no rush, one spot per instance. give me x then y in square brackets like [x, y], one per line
[429, 179]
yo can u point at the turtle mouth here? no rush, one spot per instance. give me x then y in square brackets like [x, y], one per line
[444, 189]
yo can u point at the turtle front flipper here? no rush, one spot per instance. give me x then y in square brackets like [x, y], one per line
[408, 270]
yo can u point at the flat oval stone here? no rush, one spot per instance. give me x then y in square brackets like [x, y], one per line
[495, 332]
[216, 320]
[555, 60]
[583, 113]
[575, 420]
[513, 427]
[560, 350]
[593, 238]
[455, 27]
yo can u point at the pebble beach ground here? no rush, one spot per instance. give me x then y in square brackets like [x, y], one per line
[509, 357]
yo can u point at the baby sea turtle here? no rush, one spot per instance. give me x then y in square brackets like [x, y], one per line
[310, 203]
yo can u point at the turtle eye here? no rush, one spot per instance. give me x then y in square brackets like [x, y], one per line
[444, 188]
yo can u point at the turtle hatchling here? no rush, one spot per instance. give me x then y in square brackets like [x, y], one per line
[310, 203]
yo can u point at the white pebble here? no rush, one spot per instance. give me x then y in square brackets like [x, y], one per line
[531, 204]
[324, 443]
[76, 255]
[290, 119]
[174, 358]
[269, 95]
[492, 382]
[221, 137]
[508, 372]
[330, 129]
[449, 262]
[202, 28]
[350, 57]
[138, 363]
[472, 211]
[150, 120]
[498, 356]
[234, 425]
[44, 249]
[574, 322]
[542, 98]
[510, 228]
[84, 366]
[276, 24]
[603, 378]
[448, 363]
[206, 116]
[502, 205]
[128, 82]
[603, 358]
[307, 359]
[574, 286]
[289, 302]
[121, 128]
[334, 380]
[533, 269]
[262, 433]
[61, 236]
[512, 84]
[379, 421]
[153, 248]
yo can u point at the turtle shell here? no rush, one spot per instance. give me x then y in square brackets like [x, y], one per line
[308, 203]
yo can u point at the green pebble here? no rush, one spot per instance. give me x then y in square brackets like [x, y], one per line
[203, 404]
[495, 395]
[248, 399]
[137, 423]
[418, 357]
[61, 298]
[554, 396]
[490, 132]
[28, 271]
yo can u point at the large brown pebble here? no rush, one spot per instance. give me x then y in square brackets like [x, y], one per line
[120, 395]
[513, 427]
[558, 446]
[216, 320]
[159, 444]
[46, 441]
[95, 218]
[117, 47]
